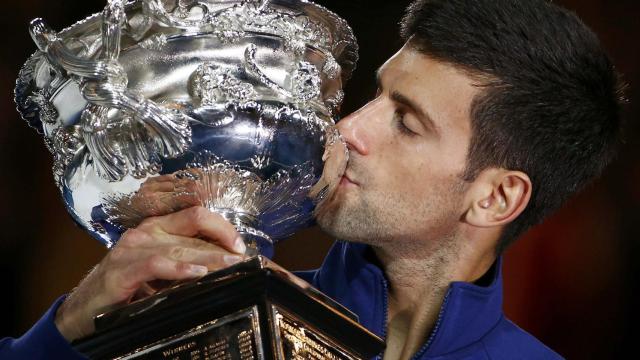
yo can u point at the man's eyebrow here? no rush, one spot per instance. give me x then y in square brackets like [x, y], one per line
[423, 115]
[399, 98]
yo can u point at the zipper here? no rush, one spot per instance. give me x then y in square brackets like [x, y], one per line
[385, 305]
[426, 346]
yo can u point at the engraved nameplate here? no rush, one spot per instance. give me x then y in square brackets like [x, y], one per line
[233, 337]
[298, 341]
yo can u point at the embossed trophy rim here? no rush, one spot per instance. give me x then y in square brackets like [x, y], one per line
[344, 37]
[29, 112]
[344, 40]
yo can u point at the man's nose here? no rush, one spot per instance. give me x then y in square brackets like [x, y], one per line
[356, 129]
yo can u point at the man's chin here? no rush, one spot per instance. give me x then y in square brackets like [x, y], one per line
[328, 220]
[339, 224]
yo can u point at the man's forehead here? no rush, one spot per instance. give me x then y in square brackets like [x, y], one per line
[411, 62]
[396, 64]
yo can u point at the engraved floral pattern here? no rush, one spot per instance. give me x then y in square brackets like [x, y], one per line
[213, 85]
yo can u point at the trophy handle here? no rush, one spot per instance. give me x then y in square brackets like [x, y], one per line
[103, 83]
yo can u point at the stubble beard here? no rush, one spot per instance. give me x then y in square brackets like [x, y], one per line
[357, 222]
[390, 221]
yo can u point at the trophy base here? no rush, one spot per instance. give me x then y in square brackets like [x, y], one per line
[252, 310]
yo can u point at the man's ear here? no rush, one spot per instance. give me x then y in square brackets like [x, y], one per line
[497, 197]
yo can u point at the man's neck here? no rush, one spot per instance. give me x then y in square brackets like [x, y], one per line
[418, 281]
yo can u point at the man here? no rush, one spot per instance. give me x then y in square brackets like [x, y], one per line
[487, 119]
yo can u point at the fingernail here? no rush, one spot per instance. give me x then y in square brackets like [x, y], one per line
[231, 259]
[239, 245]
[198, 270]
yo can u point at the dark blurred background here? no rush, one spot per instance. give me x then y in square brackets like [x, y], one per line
[572, 282]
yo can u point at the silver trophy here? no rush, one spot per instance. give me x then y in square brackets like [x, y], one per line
[231, 102]
[153, 106]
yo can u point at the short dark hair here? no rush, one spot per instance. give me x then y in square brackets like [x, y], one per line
[550, 103]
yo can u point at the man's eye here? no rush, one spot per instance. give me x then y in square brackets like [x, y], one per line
[398, 119]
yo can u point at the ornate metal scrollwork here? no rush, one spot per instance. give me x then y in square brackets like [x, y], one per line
[103, 83]
[137, 91]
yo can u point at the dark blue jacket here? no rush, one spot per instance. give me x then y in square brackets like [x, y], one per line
[470, 325]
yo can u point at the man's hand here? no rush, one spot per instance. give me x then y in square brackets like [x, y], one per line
[183, 245]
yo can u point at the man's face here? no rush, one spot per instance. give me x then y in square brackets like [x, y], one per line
[408, 149]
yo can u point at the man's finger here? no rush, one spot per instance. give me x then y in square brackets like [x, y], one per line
[199, 222]
[213, 258]
[129, 280]
[165, 239]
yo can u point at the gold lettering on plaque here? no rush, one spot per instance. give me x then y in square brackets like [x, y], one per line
[195, 354]
[213, 340]
[178, 349]
[304, 348]
[245, 343]
[218, 350]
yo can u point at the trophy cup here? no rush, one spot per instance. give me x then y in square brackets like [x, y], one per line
[153, 106]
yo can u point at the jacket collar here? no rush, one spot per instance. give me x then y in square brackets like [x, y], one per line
[468, 313]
